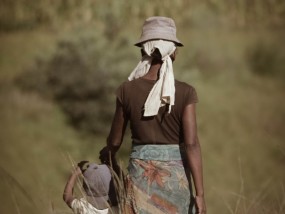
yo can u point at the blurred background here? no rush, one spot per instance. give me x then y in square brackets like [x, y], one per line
[60, 62]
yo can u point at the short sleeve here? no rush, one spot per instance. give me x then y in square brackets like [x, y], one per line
[191, 96]
[81, 206]
[76, 206]
[120, 93]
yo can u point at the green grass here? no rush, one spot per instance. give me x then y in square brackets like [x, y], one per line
[20, 50]
[34, 135]
[240, 127]
[240, 117]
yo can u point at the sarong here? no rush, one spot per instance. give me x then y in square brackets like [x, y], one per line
[158, 181]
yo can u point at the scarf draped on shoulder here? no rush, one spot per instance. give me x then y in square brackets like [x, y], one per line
[163, 91]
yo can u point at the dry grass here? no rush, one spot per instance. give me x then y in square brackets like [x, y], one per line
[240, 116]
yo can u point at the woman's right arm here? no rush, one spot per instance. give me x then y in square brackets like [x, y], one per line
[193, 152]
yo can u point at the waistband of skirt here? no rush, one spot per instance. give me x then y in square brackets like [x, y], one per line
[157, 152]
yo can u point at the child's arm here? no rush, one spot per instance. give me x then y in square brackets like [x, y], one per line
[68, 190]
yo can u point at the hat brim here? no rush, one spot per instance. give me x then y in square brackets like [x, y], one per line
[142, 40]
[98, 202]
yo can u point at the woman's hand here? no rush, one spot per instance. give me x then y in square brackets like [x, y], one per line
[115, 138]
[105, 156]
[109, 159]
[200, 205]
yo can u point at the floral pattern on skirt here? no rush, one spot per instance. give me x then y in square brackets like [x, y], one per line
[159, 187]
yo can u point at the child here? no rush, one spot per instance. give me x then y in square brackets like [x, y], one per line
[98, 187]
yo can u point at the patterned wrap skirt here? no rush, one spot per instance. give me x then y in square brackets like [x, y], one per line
[158, 181]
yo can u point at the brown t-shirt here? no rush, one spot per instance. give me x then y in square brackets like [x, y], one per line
[164, 128]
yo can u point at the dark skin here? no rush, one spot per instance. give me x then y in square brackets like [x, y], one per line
[191, 141]
[68, 190]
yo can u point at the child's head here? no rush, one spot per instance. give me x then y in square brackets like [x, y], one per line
[97, 183]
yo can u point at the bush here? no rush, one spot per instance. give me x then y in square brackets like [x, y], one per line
[81, 80]
[266, 58]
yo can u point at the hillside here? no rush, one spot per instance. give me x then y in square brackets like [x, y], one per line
[237, 68]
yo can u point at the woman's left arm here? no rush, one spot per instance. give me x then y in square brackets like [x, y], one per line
[116, 134]
[193, 152]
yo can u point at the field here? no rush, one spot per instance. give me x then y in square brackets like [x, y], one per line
[236, 66]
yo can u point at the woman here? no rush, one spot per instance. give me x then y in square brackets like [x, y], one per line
[165, 146]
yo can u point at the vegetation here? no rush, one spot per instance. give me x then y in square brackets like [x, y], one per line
[61, 61]
[84, 96]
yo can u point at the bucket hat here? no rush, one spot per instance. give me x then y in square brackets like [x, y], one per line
[97, 184]
[158, 27]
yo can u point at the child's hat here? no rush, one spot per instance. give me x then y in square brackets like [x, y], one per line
[97, 181]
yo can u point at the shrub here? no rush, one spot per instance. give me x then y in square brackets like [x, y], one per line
[266, 58]
[80, 80]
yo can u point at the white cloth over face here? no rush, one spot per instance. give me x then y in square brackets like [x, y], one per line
[163, 91]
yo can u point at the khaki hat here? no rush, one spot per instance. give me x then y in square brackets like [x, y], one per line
[98, 185]
[158, 27]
